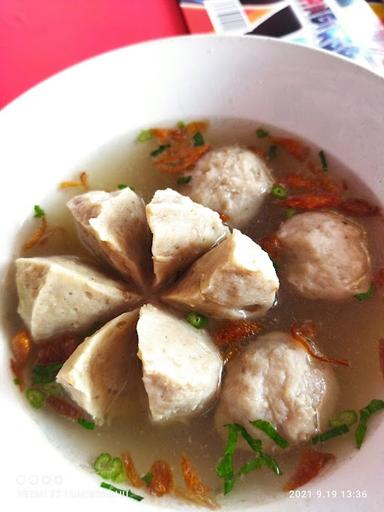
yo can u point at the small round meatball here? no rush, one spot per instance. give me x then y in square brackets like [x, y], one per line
[232, 181]
[274, 379]
[326, 255]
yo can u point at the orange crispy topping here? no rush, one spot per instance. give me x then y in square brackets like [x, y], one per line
[292, 146]
[131, 471]
[310, 465]
[182, 153]
[196, 491]
[381, 355]
[39, 236]
[57, 351]
[318, 184]
[224, 217]
[202, 500]
[162, 481]
[304, 335]
[191, 477]
[180, 157]
[21, 345]
[312, 201]
[236, 331]
[359, 208]
[63, 407]
[272, 245]
[82, 182]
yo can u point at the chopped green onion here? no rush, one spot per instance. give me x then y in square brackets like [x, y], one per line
[181, 125]
[39, 212]
[147, 478]
[144, 135]
[261, 133]
[224, 468]
[122, 186]
[197, 320]
[272, 151]
[348, 418]
[35, 397]
[255, 444]
[87, 424]
[323, 160]
[159, 150]
[109, 468]
[365, 414]
[365, 295]
[330, 434]
[251, 465]
[124, 492]
[198, 139]
[290, 212]
[271, 463]
[16, 381]
[279, 192]
[42, 374]
[270, 431]
[183, 180]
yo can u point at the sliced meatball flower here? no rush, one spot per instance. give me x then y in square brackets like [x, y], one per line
[274, 379]
[231, 180]
[182, 231]
[98, 370]
[326, 255]
[181, 365]
[60, 294]
[113, 227]
[236, 279]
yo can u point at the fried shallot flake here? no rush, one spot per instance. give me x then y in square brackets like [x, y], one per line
[179, 151]
[312, 201]
[196, 491]
[310, 464]
[304, 334]
[235, 331]
[21, 345]
[162, 479]
[131, 471]
[38, 236]
[82, 182]
[57, 351]
[63, 407]
[292, 146]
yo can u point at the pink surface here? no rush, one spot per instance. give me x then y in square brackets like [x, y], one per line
[40, 37]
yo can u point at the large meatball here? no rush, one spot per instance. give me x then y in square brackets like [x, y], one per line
[232, 181]
[326, 255]
[274, 379]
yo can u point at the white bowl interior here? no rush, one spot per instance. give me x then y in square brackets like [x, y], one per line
[49, 130]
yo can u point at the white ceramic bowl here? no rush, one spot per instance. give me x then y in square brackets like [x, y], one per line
[46, 133]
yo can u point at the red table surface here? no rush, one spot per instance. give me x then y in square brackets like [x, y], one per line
[41, 37]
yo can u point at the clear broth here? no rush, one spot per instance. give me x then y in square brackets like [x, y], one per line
[348, 329]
